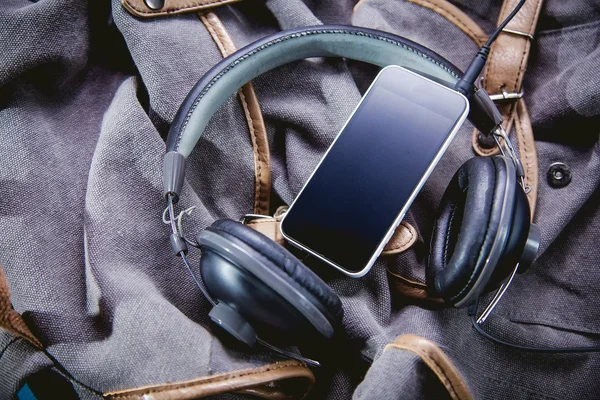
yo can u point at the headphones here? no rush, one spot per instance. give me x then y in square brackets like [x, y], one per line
[258, 288]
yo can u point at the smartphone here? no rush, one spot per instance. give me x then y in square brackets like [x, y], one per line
[359, 192]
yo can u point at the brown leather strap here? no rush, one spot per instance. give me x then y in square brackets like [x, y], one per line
[403, 238]
[262, 381]
[504, 74]
[10, 320]
[268, 227]
[507, 61]
[140, 8]
[256, 124]
[438, 361]
[528, 153]
[411, 290]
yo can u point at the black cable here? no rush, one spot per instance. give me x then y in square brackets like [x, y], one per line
[200, 285]
[466, 83]
[504, 23]
[501, 342]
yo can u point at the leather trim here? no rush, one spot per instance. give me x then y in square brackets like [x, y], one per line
[506, 68]
[527, 153]
[410, 289]
[268, 227]
[258, 381]
[140, 9]
[10, 320]
[254, 118]
[437, 361]
[509, 53]
[457, 17]
[404, 237]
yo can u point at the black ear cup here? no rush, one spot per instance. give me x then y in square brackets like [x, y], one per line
[481, 231]
[261, 288]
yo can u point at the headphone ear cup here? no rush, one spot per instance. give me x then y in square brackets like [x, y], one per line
[520, 227]
[263, 285]
[467, 223]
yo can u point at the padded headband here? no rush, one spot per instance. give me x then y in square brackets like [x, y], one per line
[225, 78]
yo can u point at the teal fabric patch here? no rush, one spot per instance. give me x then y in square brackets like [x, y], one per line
[25, 393]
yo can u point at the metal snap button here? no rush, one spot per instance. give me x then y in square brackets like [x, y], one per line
[559, 175]
[155, 4]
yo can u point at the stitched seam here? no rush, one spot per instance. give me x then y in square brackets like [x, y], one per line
[190, 384]
[408, 282]
[215, 36]
[524, 57]
[522, 67]
[262, 221]
[424, 354]
[406, 242]
[257, 161]
[536, 14]
[184, 7]
[452, 214]
[243, 57]
[223, 38]
[458, 21]
[529, 168]
[492, 60]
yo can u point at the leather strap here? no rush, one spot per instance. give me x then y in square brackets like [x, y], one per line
[10, 320]
[410, 289]
[403, 238]
[437, 361]
[507, 61]
[160, 8]
[528, 153]
[268, 227]
[504, 74]
[254, 118]
[262, 382]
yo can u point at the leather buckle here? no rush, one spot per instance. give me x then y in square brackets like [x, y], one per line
[506, 97]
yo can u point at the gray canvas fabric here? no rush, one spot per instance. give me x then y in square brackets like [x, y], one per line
[87, 93]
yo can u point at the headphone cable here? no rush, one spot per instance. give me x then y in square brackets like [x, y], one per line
[466, 83]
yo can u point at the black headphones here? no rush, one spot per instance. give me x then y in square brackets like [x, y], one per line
[258, 288]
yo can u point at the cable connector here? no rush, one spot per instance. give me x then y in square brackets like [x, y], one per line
[466, 83]
[484, 114]
[178, 244]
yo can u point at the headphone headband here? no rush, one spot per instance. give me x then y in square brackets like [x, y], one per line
[225, 78]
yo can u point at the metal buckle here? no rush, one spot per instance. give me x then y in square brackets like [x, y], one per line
[251, 217]
[506, 97]
[518, 33]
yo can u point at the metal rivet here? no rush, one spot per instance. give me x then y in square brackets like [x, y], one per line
[155, 4]
[559, 175]
[485, 141]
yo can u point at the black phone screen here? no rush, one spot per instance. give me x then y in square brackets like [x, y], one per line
[364, 181]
